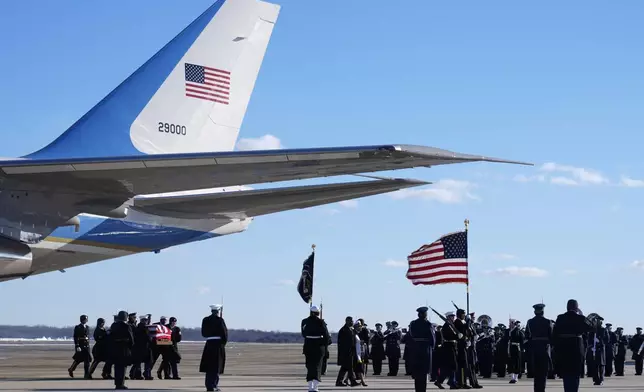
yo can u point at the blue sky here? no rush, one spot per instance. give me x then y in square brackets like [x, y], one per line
[558, 84]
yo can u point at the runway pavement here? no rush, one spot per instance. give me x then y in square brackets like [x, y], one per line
[249, 367]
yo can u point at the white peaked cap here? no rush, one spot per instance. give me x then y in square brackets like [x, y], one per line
[143, 317]
[215, 307]
[315, 309]
[449, 314]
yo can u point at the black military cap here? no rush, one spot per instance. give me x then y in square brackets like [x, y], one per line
[378, 325]
[422, 309]
[460, 311]
[639, 328]
[132, 314]
[539, 307]
[609, 324]
[620, 328]
[173, 319]
[394, 323]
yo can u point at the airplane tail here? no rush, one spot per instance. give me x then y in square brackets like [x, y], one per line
[191, 96]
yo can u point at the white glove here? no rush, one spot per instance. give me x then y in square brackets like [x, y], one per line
[460, 335]
[468, 343]
[78, 349]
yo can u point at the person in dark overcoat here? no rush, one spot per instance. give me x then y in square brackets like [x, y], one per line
[422, 340]
[141, 352]
[346, 353]
[82, 351]
[100, 349]
[121, 342]
[214, 329]
[569, 346]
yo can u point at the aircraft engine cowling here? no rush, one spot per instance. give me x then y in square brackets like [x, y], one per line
[15, 257]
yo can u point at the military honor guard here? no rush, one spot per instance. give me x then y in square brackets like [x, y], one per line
[81, 345]
[316, 336]
[637, 347]
[393, 337]
[121, 341]
[516, 340]
[620, 354]
[597, 342]
[610, 350]
[214, 330]
[538, 332]
[485, 343]
[377, 349]
[422, 340]
[449, 363]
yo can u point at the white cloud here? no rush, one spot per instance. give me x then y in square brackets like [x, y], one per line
[570, 272]
[520, 271]
[395, 263]
[349, 203]
[266, 142]
[563, 181]
[579, 175]
[444, 191]
[203, 290]
[286, 282]
[631, 182]
[505, 256]
[638, 264]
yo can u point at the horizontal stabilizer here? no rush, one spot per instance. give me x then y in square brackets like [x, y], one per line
[250, 203]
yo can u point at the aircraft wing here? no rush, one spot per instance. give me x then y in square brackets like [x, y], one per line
[124, 177]
[251, 203]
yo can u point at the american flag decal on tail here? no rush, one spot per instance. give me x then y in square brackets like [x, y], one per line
[207, 83]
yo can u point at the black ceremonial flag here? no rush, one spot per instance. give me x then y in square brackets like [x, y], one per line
[305, 286]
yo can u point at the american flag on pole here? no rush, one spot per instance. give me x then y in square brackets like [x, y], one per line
[207, 83]
[442, 261]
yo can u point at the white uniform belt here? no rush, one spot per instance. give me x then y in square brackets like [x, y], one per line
[516, 344]
[213, 338]
[314, 337]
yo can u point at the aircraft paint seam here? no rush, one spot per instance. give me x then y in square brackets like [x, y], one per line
[97, 244]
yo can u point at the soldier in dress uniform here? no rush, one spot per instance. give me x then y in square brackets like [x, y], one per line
[316, 336]
[598, 339]
[620, 355]
[461, 350]
[569, 345]
[132, 322]
[637, 347]
[174, 357]
[393, 336]
[214, 330]
[449, 363]
[121, 341]
[377, 349]
[538, 332]
[436, 353]
[501, 352]
[485, 348]
[81, 344]
[325, 359]
[610, 349]
[472, 362]
[423, 339]
[516, 339]
[99, 351]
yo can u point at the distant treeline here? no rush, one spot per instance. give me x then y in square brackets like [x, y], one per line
[235, 335]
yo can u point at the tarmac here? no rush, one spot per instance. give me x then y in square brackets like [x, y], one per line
[249, 367]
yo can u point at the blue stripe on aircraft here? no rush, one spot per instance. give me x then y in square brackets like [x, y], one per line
[116, 232]
[105, 129]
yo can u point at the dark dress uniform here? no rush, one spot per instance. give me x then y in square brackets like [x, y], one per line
[392, 350]
[316, 337]
[82, 350]
[406, 340]
[121, 342]
[346, 355]
[636, 343]
[597, 342]
[141, 352]
[485, 350]
[100, 349]
[436, 354]
[569, 347]
[377, 352]
[174, 357]
[325, 359]
[449, 363]
[610, 351]
[515, 342]
[539, 334]
[214, 329]
[620, 356]
[423, 340]
[461, 352]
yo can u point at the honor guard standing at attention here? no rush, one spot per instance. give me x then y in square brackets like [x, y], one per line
[597, 342]
[515, 348]
[461, 350]
[81, 344]
[620, 355]
[393, 336]
[174, 357]
[610, 349]
[569, 345]
[99, 351]
[121, 341]
[421, 334]
[436, 354]
[637, 347]
[449, 363]
[316, 337]
[485, 346]
[131, 320]
[214, 329]
[538, 332]
[377, 349]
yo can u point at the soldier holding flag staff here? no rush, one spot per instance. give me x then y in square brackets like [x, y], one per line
[214, 329]
[316, 337]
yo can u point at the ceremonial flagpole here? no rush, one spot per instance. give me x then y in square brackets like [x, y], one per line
[312, 277]
[467, 266]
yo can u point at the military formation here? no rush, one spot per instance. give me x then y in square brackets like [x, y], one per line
[138, 343]
[463, 348]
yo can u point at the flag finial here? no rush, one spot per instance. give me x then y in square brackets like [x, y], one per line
[467, 224]
[313, 247]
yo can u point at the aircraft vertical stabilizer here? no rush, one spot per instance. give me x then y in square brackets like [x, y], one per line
[191, 96]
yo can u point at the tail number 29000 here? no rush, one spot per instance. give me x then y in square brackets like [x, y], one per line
[175, 129]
